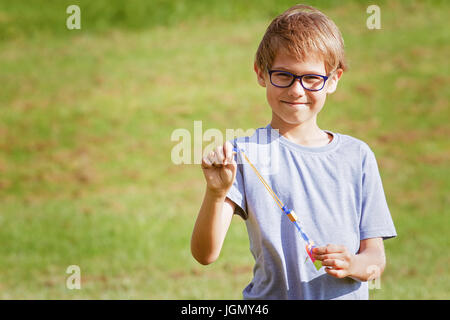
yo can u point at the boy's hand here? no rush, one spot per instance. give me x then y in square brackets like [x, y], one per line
[336, 259]
[219, 169]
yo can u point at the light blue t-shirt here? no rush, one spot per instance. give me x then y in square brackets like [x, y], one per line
[337, 195]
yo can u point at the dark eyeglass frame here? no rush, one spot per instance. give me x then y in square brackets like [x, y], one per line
[295, 77]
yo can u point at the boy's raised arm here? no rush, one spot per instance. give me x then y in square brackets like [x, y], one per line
[216, 212]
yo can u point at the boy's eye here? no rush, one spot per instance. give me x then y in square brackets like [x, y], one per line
[312, 79]
[282, 75]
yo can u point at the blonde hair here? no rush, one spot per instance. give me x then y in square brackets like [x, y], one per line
[302, 31]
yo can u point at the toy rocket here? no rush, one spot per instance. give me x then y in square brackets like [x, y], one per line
[289, 213]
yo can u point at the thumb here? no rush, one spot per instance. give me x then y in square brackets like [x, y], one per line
[230, 161]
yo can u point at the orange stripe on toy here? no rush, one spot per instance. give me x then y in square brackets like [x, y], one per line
[292, 216]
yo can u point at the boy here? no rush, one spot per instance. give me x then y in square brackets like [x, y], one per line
[330, 179]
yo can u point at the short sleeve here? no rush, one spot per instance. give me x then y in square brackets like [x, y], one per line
[237, 190]
[376, 220]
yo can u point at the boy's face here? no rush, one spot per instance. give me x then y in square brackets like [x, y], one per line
[295, 105]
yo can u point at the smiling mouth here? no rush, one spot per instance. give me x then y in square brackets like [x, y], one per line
[295, 103]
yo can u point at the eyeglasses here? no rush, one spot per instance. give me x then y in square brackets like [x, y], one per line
[284, 79]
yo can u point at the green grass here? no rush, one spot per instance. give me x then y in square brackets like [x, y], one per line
[86, 119]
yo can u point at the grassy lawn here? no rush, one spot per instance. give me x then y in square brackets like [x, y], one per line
[86, 118]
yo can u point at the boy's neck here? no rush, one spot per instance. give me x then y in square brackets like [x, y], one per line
[306, 134]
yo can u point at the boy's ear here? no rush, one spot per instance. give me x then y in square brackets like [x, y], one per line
[333, 81]
[259, 75]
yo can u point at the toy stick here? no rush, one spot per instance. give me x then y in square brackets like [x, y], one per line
[289, 213]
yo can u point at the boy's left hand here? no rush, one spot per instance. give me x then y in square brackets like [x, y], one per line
[336, 259]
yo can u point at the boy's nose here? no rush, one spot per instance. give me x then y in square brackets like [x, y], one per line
[296, 89]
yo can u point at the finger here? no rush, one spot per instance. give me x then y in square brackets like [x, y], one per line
[219, 155]
[228, 151]
[335, 263]
[206, 163]
[337, 273]
[319, 250]
[213, 158]
[335, 248]
[330, 248]
[322, 257]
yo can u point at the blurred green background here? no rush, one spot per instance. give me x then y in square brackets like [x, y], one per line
[86, 118]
